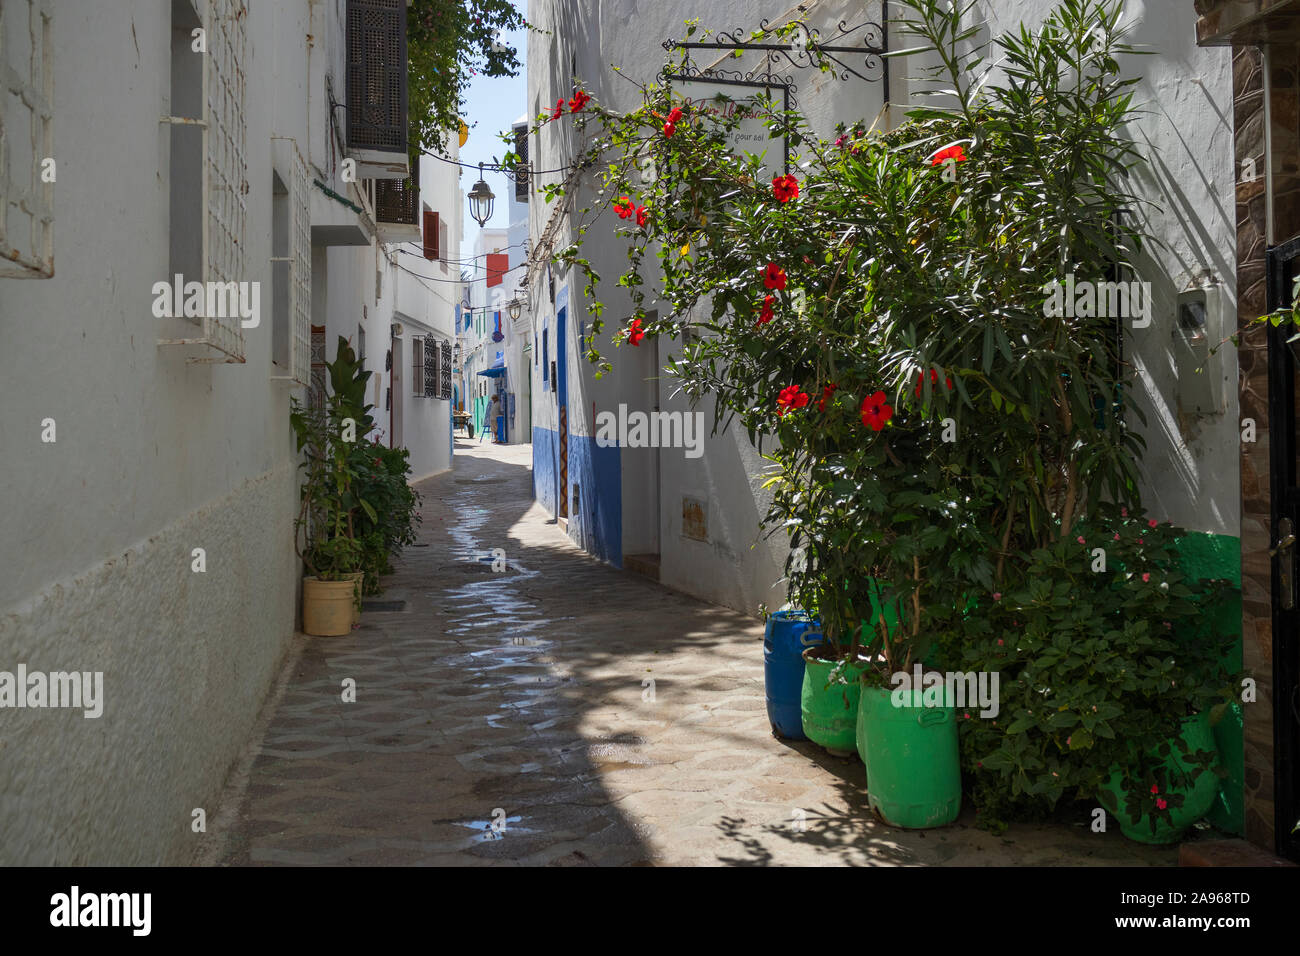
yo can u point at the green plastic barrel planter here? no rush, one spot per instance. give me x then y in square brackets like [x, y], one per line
[1199, 793]
[913, 772]
[830, 714]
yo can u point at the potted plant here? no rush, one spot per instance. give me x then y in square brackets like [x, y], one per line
[884, 318]
[326, 530]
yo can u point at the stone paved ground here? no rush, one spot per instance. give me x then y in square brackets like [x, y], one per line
[520, 695]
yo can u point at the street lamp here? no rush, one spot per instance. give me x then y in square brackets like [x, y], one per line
[516, 308]
[480, 200]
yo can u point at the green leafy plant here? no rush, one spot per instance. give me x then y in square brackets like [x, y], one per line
[881, 314]
[449, 41]
[325, 531]
[381, 480]
[1101, 652]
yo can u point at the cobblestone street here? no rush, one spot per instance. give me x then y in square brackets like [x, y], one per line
[521, 696]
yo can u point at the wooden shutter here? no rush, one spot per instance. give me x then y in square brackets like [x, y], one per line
[430, 368]
[431, 250]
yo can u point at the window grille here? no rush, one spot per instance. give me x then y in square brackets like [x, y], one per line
[26, 139]
[430, 367]
[316, 389]
[224, 168]
[444, 391]
[398, 200]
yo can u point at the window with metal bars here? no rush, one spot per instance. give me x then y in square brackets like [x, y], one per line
[431, 367]
[444, 389]
[208, 166]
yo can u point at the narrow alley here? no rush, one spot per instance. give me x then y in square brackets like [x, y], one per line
[524, 698]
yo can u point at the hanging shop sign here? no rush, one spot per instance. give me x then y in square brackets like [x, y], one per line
[726, 97]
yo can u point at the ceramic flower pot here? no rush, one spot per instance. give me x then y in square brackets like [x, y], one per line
[327, 607]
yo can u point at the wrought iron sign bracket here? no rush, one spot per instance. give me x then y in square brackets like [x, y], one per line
[807, 48]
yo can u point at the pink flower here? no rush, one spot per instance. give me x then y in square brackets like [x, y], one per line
[1154, 788]
[1123, 512]
[997, 596]
[1080, 540]
[1161, 802]
[1152, 523]
[999, 642]
[1146, 576]
[1117, 537]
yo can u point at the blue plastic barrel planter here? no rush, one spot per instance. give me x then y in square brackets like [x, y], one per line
[787, 634]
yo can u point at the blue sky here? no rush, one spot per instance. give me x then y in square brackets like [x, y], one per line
[492, 105]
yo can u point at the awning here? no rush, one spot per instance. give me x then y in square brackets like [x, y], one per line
[493, 372]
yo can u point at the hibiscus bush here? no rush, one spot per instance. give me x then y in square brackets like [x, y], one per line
[875, 316]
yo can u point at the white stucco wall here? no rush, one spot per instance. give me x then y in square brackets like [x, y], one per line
[153, 458]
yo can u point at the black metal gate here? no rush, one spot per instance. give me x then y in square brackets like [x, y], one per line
[1283, 264]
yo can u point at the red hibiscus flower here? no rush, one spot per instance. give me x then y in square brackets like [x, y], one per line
[1155, 788]
[827, 392]
[1161, 803]
[773, 277]
[875, 412]
[625, 207]
[956, 153]
[675, 115]
[559, 108]
[790, 398]
[934, 380]
[580, 99]
[669, 129]
[641, 216]
[766, 315]
[785, 188]
[635, 333]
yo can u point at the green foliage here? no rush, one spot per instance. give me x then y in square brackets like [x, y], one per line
[1100, 657]
[909, 284]
[449, 41]
[381, 478]
[356, 507]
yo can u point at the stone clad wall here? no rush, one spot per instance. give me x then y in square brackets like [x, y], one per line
[1256, 569]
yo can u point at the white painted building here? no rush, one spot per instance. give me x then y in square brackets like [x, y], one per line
[152, 474]
[689, 520]
[491, 346]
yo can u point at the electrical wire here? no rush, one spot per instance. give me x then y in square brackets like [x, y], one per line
[494, 167]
